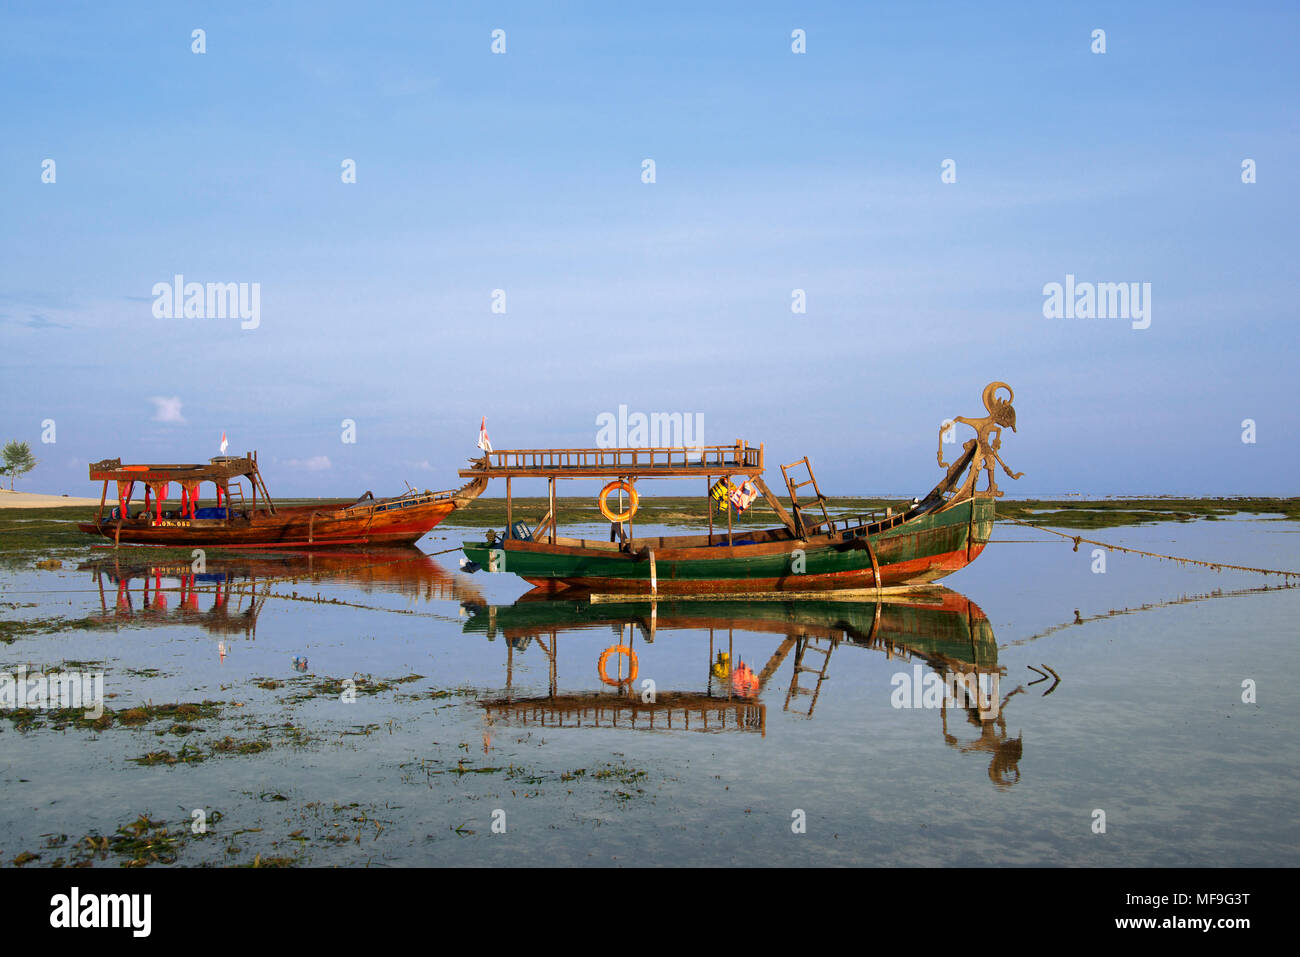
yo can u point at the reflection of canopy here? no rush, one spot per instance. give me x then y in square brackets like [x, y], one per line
[233, 583]
[673, 710]
[230, 612]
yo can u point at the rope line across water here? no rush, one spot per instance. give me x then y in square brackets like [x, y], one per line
[1217, 566]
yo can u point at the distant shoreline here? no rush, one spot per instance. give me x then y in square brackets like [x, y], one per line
[10, 499]
[692, 511]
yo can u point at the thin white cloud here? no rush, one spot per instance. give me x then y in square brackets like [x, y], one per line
[318, 463]
[167, 409]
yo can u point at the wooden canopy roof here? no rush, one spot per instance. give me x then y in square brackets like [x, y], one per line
[218, 470]
[702, 461]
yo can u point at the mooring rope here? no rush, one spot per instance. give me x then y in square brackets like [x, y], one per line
[1147, 606]
[1217, 566]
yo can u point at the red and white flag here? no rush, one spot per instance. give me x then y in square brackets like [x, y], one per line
[484, 442]
[224, 444]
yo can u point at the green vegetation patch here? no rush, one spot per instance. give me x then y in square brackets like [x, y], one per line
[1113, 513]
[692, 511]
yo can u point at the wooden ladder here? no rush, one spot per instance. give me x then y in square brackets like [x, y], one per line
[802, 529]
[232, 492]
[805, 646]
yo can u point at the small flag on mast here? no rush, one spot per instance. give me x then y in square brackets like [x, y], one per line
[484, 442]
[224, 443]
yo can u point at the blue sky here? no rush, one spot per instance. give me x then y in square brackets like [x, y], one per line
[775, 171]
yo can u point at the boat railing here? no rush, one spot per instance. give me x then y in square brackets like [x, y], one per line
[688, 460]
[405, 500]
[860, 523]
[877, 520]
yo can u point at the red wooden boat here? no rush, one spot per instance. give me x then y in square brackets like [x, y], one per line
[239, 521]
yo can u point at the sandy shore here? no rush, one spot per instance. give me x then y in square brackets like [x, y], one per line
[10, 499]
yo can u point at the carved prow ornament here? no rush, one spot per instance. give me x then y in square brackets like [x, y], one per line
[987, 442]
[474, 487]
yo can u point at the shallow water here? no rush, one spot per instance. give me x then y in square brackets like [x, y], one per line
[1146, 724]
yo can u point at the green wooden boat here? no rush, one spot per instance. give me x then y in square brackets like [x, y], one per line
[920, 542]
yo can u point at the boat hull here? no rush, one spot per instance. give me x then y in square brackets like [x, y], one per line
[940, 625]
[919, 550]
[295, 526]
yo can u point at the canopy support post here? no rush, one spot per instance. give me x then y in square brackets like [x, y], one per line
[551, 483]
[708, 497]
[730, 511]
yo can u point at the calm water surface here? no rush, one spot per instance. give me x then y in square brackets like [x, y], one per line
[475, 705]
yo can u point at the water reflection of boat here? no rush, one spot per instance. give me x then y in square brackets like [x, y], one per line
[937, 623]
[937, 629]
[235, 588]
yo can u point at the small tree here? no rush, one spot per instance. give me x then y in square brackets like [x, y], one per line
[18, 461]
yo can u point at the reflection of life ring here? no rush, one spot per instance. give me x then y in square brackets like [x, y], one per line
[604, 660]
[631, 505]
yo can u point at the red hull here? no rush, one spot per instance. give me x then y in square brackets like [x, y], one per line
[293, 526]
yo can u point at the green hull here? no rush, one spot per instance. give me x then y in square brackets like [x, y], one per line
[939, 625]
[914, 550]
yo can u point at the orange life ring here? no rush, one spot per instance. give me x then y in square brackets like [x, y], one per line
[631, 505]
[604, 660]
